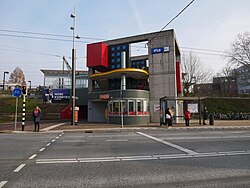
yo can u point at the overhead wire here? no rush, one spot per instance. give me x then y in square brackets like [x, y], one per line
[171, 20]
[46, 34]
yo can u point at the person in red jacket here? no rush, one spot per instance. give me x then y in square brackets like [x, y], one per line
[187, 116]
[36, 114]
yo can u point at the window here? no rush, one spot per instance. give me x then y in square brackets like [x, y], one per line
[123, 109]
[139, 107]
[110, 108]
[116, 107]
[131, 107]
[145, 107]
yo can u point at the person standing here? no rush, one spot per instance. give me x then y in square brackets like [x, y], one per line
[36, 114]
[169, 116]
[204, 115]
[187, 116]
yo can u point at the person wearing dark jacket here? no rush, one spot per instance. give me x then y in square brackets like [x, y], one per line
[169, 116]
[36, 114]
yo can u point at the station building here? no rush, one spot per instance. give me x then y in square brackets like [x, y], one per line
[125, 88]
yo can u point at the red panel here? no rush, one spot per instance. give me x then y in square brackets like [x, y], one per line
[178, 77]
[97, 55]
[66, 112]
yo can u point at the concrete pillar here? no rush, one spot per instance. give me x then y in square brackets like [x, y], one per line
[123, 66]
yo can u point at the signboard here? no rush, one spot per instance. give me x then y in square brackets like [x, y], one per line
[160, 50]
[61, 95]
[56, 95]
[104, 96]
[193, 108]
[156, 108]
[17, 92]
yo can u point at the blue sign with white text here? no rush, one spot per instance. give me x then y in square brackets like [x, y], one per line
[160, 50]
[56, 95]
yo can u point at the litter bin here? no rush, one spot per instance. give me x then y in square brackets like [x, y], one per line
[76, 114]
[211, 119]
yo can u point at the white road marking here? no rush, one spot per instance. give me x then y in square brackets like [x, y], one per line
[32, 156]
[41, 149]
[52, 127]
[19, 168]
[137, 158]
[169, 144]
[48, 144]
[54, 161]
[2, 183]
[124, 140]
[53, 140]
[72, 141]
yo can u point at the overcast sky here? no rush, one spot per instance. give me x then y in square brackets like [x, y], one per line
[205, 24]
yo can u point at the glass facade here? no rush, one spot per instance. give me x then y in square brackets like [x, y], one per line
[57, 81]
[128, 107]
[115, 55]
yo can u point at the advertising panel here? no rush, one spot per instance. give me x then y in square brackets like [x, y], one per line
[56, 95]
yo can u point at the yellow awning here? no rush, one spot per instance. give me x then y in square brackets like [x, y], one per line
[129, 72]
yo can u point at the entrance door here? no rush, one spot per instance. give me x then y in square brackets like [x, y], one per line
[96, 111]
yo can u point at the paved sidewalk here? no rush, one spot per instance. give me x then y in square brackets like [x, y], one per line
[219, 125]
[102, 127]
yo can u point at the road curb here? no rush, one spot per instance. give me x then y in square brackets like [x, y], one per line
[135, 129]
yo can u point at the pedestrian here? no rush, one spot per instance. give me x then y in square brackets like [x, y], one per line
[187, 116]
[204, 115]
[169, 116]
[36, 114]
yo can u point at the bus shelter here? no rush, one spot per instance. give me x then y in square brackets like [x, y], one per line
[193, 104]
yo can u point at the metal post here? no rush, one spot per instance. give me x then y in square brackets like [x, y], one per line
[73, 87]
[5, 72]
[73, 70]
[199, 107]
[123, 83]
[23, 114]
[16, 112]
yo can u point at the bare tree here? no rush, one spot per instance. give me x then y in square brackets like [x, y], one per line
[17, 77]
[239, 52]
[226, 71]
[194, 72]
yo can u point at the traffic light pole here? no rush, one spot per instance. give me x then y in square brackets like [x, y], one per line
[23, 114]
[24, 91]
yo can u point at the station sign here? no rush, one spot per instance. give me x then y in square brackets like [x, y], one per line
[160, 50]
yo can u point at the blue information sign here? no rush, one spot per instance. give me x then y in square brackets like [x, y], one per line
[160, 50]
[17, 92]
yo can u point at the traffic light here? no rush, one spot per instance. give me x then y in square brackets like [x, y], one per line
[24, 90]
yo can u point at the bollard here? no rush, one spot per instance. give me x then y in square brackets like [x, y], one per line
[211, 119]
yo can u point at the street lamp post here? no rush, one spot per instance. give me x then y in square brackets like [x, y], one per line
[30, 86]
[73, 79]
[5, 72]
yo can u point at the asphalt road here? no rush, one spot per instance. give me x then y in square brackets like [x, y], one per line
[150, 158]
